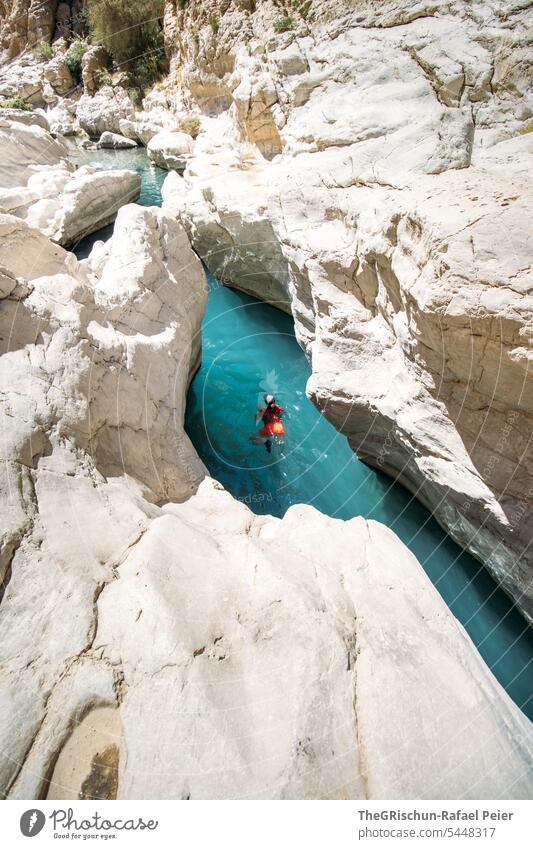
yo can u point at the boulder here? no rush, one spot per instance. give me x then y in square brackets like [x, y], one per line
[58, 75]
[68, 210]
[170, 150]
[27, 149]
[114, 141]
[148, 124]
[25, 80]
[62, 118]
[104, 112]
[95, 62]
[21, 116]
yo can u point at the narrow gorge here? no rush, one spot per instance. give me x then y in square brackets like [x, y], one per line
[329, 202]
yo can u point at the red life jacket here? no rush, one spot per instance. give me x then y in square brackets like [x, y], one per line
[272, 425]
[273, 413]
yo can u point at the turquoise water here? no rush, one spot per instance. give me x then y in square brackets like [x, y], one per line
[249, 349]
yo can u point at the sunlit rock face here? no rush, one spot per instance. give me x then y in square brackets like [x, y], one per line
[103, 112]
[366, 167]
[24, 24]
[132, 585]
[296, 658]
[320, 642]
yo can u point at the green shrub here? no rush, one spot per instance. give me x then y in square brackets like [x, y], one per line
[105, 78]
[73, 57]
[135, 95]
[213, 21]
[131, 32]
[121, 25]
[283, 24]
[43, 51]
[16, 103]
[182, 4]
[190, 124]
[304, 9]
[150, 63]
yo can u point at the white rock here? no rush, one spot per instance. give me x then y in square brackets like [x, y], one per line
[104, 111]
[115, 142]
[38, 185]
[22, 116]
[148, 124]
[406, 266]
[183, 615]
[170, 150]
[58, 75]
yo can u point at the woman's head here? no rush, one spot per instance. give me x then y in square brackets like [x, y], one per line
[269, 399]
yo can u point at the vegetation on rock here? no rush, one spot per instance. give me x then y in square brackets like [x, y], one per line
[190, 124]
[73, 57]
[131, 32]
[16, 103]
[283, 24]
[43, 51]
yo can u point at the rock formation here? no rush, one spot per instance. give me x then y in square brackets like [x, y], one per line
[362, 168]
[25, 23]
[94, 64]
[104, 111]
[170, 150]
[375, 156]
[38, 185]
[296, 658]
[114, 141]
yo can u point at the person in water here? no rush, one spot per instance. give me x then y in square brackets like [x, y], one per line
[272, 426]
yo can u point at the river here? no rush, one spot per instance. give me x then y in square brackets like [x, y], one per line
[249, 348]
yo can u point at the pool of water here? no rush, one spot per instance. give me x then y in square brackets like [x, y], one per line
[152, 179]
[249, 348]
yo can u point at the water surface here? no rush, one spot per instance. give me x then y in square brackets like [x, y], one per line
[152, 178]
[249, 348]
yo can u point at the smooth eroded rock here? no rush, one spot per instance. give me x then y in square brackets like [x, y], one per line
[170, 150]
[114, 141]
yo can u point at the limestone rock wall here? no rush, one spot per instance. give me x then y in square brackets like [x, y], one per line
[24, 24]
[390, 217]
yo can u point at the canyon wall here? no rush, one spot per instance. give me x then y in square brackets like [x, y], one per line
[159, 640]
[25, 24]
[144, 611]
[365, 165]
